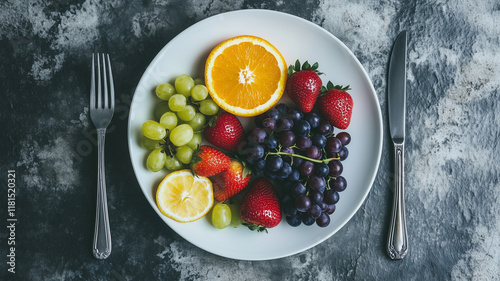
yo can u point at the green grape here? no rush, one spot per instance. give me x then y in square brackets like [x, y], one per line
[164, 91]
[199, 92]
[153, 130]
[221, 215]
[183, 84]
[198, 122]
[151, 144]
[160, 109]
[208, 107]
[173, 164]
[199, 81]
[187, 113]
[156, 160]
[184, 154]
[168, 120]
[235, 215]
[177, 102]
[181, 135]
[195, 142]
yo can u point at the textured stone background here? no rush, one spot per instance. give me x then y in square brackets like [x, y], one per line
[453, 190]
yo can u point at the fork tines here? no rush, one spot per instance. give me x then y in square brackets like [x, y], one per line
[103, 65]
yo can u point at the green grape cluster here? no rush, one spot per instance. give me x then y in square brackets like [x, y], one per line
[181, 115]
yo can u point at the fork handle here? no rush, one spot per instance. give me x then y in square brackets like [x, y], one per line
[102, 235]
[397, 245]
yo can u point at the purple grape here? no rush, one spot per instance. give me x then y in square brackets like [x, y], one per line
[302, 127]
[295, 114]
[344, 137]
[282, 109]
[313, 119]
[303, 203]
[293, 220]
[331, 196]
[274, 163]
[324, 128]
[294, 175]
[315, 196]
[271, 142]
[306, 168]
[316, 183]
[343, 153]
[333, 145]
[285, 170]
[297, 161]
[319, 141]
[287, 138]
[298, 189]
[339, 183]
[323, 220]
[321, 170]
[322, 205]
[306, 219]
[256, 152]
[330, 208]
[270, 175]
[259, 165]
[288, 207]
[252, 153]
[314, 211]
[303, 142]
[257, 135]
[284, 124]
[273, 113]
[269, 124]
[313, 152]
[336, 168]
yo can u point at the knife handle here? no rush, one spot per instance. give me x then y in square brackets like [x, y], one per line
[398, 239]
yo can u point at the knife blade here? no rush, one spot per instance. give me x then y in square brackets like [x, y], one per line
[397, 245]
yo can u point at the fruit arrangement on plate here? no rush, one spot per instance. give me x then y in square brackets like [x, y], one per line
[287, 164]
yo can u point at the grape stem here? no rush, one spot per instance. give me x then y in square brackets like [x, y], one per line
[304, 157]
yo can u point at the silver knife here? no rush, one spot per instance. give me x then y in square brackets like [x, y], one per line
[397, 245]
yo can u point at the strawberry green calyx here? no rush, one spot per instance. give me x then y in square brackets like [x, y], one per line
[246, 170]
[255, 227]
[213, 120]
[306, 66]
[330, 86]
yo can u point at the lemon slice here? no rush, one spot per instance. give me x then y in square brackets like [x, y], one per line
[184, 197]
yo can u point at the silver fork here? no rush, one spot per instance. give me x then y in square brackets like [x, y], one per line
[102, 107]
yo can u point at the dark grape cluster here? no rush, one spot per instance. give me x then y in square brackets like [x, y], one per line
[301, 151]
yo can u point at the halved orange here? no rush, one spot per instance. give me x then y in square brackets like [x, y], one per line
[245, 75]
[184, 197]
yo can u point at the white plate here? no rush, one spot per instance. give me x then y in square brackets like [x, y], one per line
[296, 38]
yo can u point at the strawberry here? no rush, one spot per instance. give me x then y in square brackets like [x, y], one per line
[231, 181]
[208, 161]
[303, 85]
[336, 105]
[260, 207]
[225, 131]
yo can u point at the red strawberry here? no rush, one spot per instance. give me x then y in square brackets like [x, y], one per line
[208, 161]
[260, 207]
[231, 181]
[336, 106]
[304, 85]
[225, 131]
